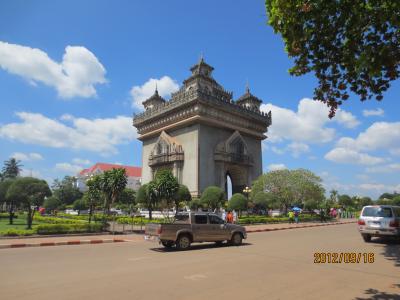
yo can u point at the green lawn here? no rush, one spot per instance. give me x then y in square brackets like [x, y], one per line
[19, 223]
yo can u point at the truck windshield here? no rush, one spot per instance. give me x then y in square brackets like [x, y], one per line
[385, 212]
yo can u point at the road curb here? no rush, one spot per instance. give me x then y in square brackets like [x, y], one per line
[298, 227]
[62, 243]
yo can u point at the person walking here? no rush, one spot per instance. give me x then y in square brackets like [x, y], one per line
[296, 216]
[235, 216]
[291, 216]
[229, 217]
[223, 214]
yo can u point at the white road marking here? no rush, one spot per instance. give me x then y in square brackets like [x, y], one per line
[137, 258]
[195, 277]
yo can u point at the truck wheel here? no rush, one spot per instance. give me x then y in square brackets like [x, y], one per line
[183, 242]
[167, 244]
[366, 237]
[236, 239]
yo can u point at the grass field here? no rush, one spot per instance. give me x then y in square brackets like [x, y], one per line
[19, 223]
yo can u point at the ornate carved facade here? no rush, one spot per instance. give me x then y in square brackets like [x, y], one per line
[202, 134]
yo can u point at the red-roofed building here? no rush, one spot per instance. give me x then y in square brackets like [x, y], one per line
[134, 174]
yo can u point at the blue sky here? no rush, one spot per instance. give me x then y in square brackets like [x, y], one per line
[72, 73]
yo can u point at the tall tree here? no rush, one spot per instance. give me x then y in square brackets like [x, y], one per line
[182, 195]
[237, 202]
[290, 186]
[348, 45]
[66, 190]
[164, 187]
[80, 204]
[333, 195]
[31, 192]
[213, 197]
[346, 201]
[93, 194]
[12, 168]
[112, 183]
[11, 202]
[51, 204]
[146, 199]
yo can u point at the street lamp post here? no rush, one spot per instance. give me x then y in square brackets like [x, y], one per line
[247, 191]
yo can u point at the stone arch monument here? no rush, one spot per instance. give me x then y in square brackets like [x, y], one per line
[202, 134]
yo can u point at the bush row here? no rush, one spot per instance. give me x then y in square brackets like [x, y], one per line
[137, 221]
[53, 229]
[67, 228]
[17, 232]
[265, 219]
[56, 220]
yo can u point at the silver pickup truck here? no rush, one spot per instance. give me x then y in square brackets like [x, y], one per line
[195, 227]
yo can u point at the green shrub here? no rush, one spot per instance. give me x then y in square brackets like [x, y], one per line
[67, 228]
[137, 221]
[267, 219]
[55, 220]
[17, 232]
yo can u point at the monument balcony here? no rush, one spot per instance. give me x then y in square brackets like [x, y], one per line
[165, 158]
[234, 158]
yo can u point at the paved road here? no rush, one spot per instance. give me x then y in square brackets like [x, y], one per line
[273, 265]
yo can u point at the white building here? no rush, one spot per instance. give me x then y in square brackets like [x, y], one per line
[134, 175]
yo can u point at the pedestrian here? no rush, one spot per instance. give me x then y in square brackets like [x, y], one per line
[223, 215]
[291, 216]
[334, 213]
[235, 216]
[229, 217]
[296, 216]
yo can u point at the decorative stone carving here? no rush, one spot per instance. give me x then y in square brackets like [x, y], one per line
[234, 150]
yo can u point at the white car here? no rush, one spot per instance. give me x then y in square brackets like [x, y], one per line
[379, 220]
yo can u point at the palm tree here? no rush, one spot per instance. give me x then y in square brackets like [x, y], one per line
[12, 168]
[113, 182]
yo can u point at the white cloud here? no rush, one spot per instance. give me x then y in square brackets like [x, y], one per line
[379, 187]
[297, 148]
[97, 135]
[308, 124]
[390, 168]
[76, 75]
[165, 85]
[380, 135]
[373, 112]
[277, 150]
[31, 173]
[346, 155]
[26, 156]
[275, 167]
[80, 161]
[68, 168]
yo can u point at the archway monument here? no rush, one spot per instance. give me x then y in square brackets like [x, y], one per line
[202, 134]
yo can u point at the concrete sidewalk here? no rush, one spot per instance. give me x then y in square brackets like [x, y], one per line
[100, 239]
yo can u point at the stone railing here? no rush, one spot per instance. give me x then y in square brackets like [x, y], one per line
[165, 158]
[233, 158]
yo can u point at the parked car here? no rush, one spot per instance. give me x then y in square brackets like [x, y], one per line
[379, 220]
[192, 227]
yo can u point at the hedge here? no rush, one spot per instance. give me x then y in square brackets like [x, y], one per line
[137, 221]
[265, 219]
[67, 228]
[56, 220]
[17, 232]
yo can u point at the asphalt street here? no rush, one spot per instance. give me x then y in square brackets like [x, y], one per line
[270, 265]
